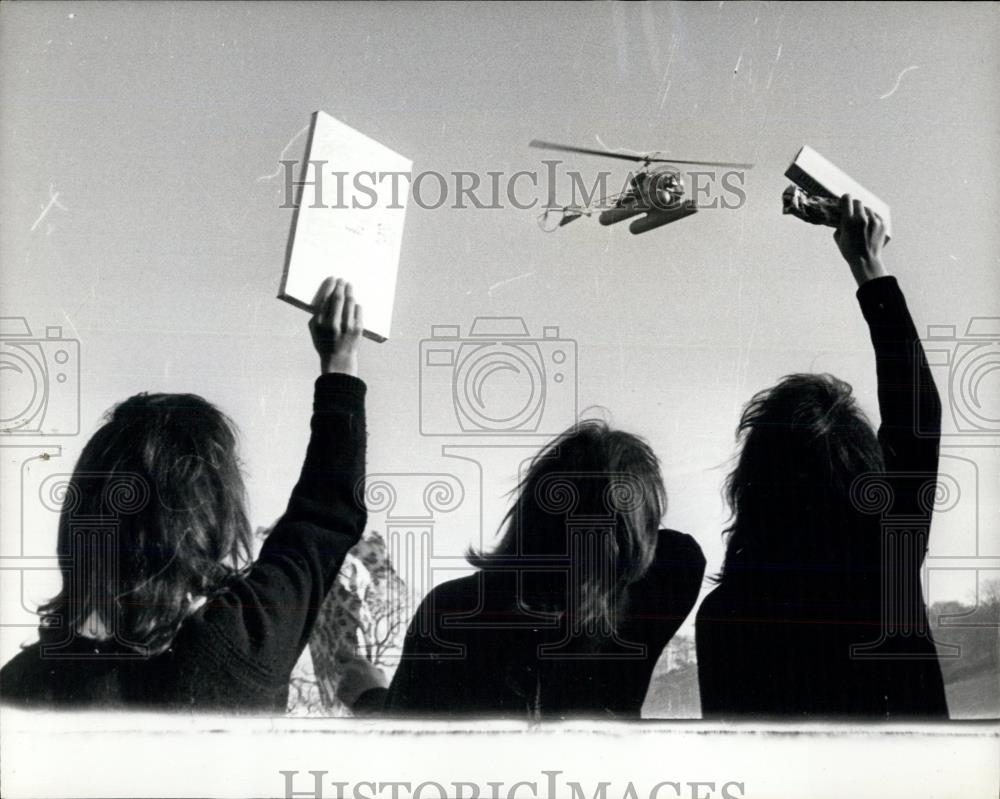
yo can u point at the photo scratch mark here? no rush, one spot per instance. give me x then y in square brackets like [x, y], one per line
[281, 157]
[663, 100]
[739, 61]
[508, 280]
[53, 202]
[69, 322]
[899, 79]
[666, 72]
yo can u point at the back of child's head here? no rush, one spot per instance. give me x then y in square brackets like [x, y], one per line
[591, 479]
[803, 443]
[154, 517]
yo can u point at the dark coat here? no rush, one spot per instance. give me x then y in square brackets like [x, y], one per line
[474, 649]
[237, 651]
[784, 640]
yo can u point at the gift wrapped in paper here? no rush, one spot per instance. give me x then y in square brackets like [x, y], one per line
[815, 210]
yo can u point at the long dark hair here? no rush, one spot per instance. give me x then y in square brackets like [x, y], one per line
[592, 498]
[153, 517]
[803, 442]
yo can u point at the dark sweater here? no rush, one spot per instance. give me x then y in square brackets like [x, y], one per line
[237, 651]
[777, 641]
[473, 649]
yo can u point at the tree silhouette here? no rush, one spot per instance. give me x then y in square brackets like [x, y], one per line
[366, 611]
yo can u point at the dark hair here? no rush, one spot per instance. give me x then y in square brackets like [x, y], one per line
[803, 443]
[153, 516]
[592, 498]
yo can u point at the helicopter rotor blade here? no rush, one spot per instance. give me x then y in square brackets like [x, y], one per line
[699, 163]
[646, 159]
[546, 145]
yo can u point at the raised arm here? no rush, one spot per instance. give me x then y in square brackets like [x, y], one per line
[908, 400]
[242, 646]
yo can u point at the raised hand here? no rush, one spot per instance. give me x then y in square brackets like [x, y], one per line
[861, 237]
[336, 327]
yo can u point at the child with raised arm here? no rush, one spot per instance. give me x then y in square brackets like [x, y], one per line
[157, 607]
[819, 610]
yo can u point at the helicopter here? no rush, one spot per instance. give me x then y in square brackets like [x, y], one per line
[656, 192]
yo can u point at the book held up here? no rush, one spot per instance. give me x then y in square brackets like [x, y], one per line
[348, 221]
[819, 185]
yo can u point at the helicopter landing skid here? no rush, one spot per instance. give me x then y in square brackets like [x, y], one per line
[658, 218]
